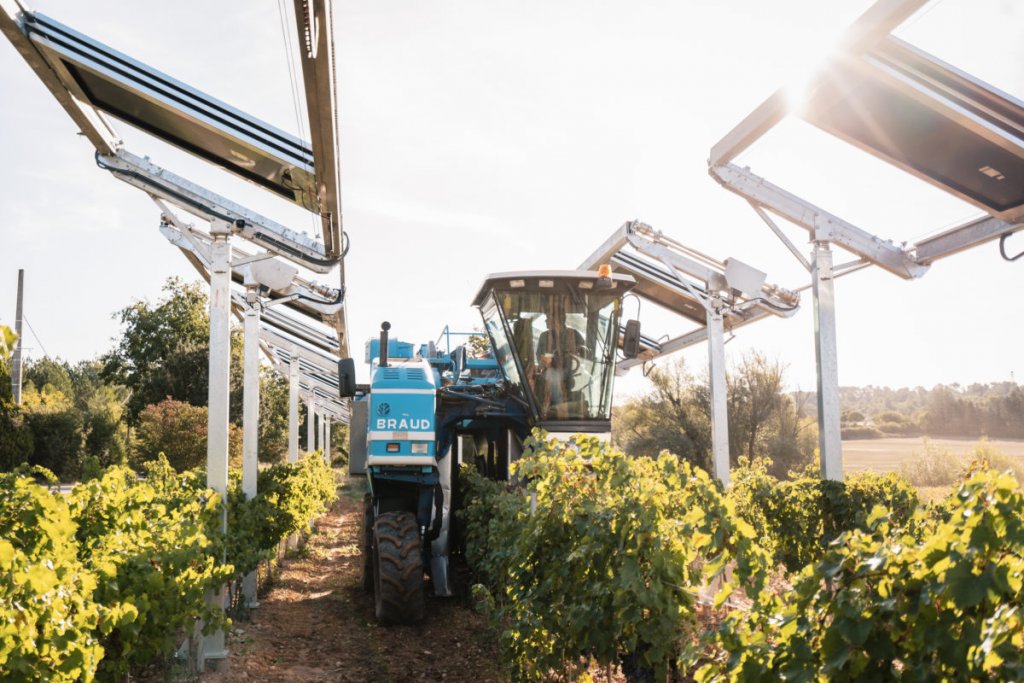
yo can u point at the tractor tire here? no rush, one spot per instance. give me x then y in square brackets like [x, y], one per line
[367, 548]
[398, 569]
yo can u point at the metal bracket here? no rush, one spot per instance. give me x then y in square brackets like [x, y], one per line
[961, 237]
[254, 258]
[283, 300]
[157, 181]
[292, 288]
[689, 283]
[822, 225]
[781, 235]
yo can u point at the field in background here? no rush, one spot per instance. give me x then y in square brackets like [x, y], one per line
[886, 455]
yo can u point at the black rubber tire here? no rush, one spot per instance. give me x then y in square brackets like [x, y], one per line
[367, 548]
[398, 569]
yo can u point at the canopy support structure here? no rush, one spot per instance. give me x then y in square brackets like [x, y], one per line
[310, 423]
[829, 436]
[212, 650]
[719, 388]
[251, 415]
[293, 409]
[710, 293]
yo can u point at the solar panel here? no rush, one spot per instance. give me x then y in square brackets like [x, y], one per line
[914, 111]
[678, 278]
[175, 112]
[909, 109]
[657, 283]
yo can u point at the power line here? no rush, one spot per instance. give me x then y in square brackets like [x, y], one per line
[40, 341]
[289, 53]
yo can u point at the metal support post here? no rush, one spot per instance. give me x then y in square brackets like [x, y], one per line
[321, 434]
[16, 359]
[251, 415]
[716, 372]
[829, 436]
[293, 407]
[327, 440]
[212, 646]
[311, 425]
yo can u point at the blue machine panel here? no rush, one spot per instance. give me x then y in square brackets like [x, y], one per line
[396, 349]
[402, 415]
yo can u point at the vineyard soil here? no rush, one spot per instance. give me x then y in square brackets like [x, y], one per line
[886, 455]
[317, 624]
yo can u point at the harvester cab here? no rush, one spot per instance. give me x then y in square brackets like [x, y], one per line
[553, 341]
[555, 336]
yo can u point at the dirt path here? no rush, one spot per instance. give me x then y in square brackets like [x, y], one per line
[317, 624]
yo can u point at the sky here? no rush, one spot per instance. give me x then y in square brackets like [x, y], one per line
[481, 137]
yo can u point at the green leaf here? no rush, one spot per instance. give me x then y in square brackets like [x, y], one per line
[966, 588]
[41, 579]
[878, 513]
[838, 659]
[723, 594]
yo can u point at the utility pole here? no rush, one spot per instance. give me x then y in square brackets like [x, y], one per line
[16, 362]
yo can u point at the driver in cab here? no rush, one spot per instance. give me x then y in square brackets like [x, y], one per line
[558, 351]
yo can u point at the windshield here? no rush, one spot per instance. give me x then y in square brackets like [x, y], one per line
[563, 342]
[499, 340]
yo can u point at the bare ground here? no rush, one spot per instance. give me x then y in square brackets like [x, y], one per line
[317, 624]
[886, 455]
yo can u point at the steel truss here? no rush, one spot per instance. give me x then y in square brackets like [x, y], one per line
[92, 81]
[715, 295]
[893, 101]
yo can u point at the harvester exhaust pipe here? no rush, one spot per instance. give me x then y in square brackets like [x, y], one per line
[384, 327]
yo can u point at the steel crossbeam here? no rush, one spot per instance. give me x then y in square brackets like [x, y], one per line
[702, 290]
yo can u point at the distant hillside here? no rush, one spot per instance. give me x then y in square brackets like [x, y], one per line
[993, 410]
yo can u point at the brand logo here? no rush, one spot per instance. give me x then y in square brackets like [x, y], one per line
[384, 409]
[404, 424]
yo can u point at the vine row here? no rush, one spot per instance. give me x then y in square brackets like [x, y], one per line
[113, 575]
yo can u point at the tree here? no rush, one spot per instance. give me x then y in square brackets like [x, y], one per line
[852, 417]
[7, 342]
[273, 430]
[73, 415]
[15, 437]
[179, 430]
[755, 399]
[763, 420]
[164, 351]
[672, 416]
[339, 443]
[56, 427]
[49, 372]
[479, 345]
[793, 438]
[675, 415]
[102, 407]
